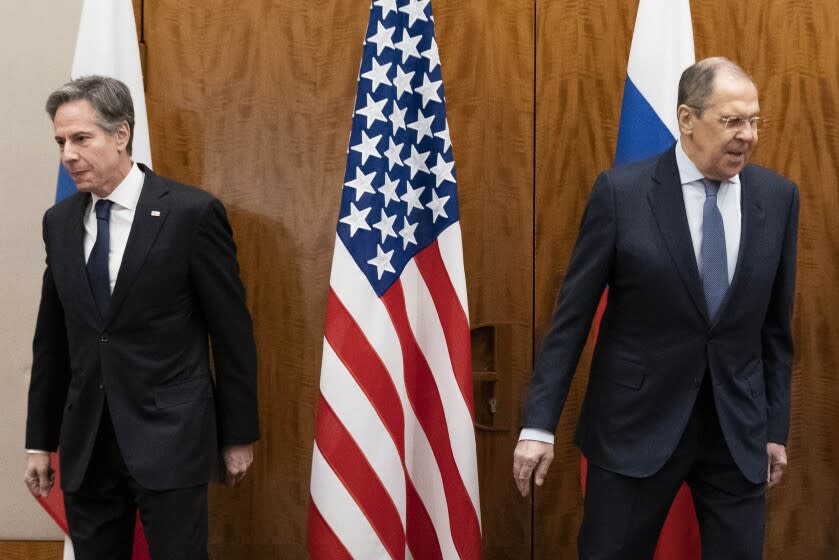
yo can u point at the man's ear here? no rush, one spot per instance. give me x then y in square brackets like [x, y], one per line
[685, 116]
[122, 134]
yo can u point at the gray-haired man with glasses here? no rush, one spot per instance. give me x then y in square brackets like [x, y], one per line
[690, 378]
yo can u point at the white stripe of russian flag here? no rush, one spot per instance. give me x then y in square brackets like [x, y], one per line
[662, 47]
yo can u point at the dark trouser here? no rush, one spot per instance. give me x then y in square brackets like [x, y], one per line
[623, 516]
[102, 512]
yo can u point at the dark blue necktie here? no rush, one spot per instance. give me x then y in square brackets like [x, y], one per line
[97, 263]
[713, 254]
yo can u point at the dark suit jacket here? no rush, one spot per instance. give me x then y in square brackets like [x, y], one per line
[656, 341]
[178, 283]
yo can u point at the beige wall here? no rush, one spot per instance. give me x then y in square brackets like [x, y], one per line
[36, 52]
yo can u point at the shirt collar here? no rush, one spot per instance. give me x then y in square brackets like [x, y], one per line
[127, 193]
[688, 172]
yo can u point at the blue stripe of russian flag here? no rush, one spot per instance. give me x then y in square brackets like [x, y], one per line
[65, 186]
[642, 133]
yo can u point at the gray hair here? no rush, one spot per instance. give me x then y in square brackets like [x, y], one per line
[697, 82]
[111, 100]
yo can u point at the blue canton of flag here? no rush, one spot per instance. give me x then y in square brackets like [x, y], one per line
[399, 187]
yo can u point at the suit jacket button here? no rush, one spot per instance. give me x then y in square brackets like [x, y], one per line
[101, 386]
[103, 339]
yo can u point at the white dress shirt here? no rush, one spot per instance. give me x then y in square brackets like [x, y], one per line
[728, 201]
[693, 193]
[124, 199]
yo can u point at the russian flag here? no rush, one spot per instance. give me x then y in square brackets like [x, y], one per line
[106, 45]
[662, 47]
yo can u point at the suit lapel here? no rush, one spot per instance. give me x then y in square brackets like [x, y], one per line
[149, 216]
[668, 207]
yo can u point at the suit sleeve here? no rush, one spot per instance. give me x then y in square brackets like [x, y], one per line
[50, 368]
[777, 332]
[588, 274]
[221, 295]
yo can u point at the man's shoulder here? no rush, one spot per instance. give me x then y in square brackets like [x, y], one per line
[769, 187]
[66, 207]
[641, 166]
[635, 173]
[760, 176]
[178, 193]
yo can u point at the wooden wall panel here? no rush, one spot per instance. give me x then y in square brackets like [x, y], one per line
[486, 48]
[31, 550]
[792, 49]
[253, 101]
[581, 52]
[790, 46]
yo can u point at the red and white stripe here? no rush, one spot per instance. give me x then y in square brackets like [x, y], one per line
[394, 471]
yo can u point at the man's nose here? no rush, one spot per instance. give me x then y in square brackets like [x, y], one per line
[746, 133]
[69, 153]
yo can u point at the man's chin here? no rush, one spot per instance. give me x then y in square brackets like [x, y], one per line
[735, 165]
[740, 167]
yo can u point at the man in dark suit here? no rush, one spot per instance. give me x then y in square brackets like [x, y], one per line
[141, 272]
[690, 378]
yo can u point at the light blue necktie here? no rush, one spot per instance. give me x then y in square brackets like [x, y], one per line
[97, 263]
[714, 258]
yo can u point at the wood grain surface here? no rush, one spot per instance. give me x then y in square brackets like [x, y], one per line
[31, 550]
[252, 100]
[486, 52]
[791, 49]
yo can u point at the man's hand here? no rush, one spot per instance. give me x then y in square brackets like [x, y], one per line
[531, 456]
[39, 476]
[777, 455]
[237, 460]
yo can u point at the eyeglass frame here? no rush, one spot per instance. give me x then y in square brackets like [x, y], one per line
[727, 120]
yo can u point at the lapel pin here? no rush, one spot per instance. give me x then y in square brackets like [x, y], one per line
[155, 213]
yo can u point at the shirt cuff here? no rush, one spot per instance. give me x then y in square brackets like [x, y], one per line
[36, 451]
[535, 434]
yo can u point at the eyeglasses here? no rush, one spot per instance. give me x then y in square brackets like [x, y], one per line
[731, 122]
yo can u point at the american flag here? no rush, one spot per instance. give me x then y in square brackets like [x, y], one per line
[394, 472]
